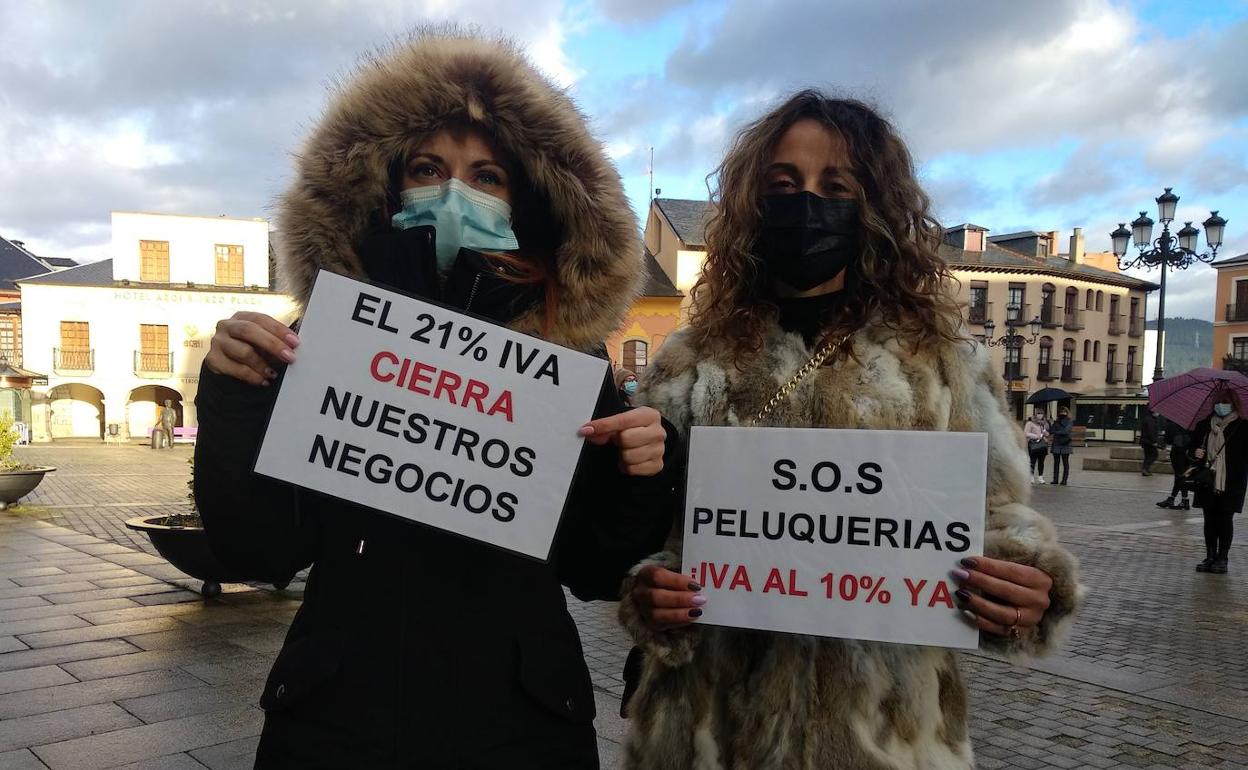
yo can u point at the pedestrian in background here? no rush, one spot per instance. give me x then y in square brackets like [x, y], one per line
[1180, 442]
[626, 384]
[1062, 446]
[1221, 444]
[1148, 440]
[1036, 431]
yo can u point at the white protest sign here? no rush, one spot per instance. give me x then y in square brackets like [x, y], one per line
[845, 533]
[425, 413]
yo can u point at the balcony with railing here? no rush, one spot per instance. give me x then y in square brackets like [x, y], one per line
[1117, 324]
[153, 364]
[73, 360]
[1047, 371]
[1236, 313]
[978, 312]
[1072, 319]
[1019, 314]
[1015, 370]
[1072, 371]
[11, 356]
[1050, 315]
[1135, 374]
[1137, 326]
[1114, 372]
[1233, 364]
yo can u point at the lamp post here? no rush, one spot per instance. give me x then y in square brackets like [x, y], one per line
[1176, 252]
[1012, 340]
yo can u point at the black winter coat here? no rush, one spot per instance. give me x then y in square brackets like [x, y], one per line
[415, 648]
[1232, 499]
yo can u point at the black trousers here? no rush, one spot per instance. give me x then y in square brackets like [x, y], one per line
[1219, 526]
[1061, 462]
[1037, 461]
[1180, 464]
[1150, 456]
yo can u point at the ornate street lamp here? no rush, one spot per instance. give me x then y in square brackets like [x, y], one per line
[1177, 252]
[1011, 338]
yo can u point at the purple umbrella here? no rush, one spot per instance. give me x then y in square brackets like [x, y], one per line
[1188, 398]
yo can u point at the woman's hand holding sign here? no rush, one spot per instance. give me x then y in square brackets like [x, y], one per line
[668, 599]
[247, 345]
[1011, 597]
[638, 433]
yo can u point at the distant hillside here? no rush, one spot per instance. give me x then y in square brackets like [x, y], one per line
[1189, 344]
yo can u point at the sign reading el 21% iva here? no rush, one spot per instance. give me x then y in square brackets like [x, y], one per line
[428, 414]
[844, 533]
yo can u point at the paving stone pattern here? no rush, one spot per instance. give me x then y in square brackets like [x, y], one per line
[108, 660]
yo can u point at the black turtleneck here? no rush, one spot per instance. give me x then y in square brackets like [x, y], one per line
[806, 315]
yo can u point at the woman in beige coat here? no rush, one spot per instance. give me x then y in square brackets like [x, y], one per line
[821, 245]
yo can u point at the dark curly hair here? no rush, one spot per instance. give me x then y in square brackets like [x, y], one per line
[899, 277]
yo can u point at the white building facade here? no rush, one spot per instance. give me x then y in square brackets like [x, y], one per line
[118, 338]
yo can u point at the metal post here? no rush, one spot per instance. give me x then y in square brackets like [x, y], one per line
[1159, 371]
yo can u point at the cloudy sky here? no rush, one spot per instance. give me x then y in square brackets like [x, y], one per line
[1022, 115]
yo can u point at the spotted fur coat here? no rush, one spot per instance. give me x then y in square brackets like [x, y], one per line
[714, 698]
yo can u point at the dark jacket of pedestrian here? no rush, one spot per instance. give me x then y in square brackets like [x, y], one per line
[1231, 498]
[1148, 430]
[1061, 431]
[413, 647]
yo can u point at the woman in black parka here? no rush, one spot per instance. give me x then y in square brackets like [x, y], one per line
[414, 648]
[1220, 442]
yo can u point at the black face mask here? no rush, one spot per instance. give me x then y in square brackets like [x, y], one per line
[805, 239]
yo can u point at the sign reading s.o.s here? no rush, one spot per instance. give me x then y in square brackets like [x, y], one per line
[845, 533]
[428, 414]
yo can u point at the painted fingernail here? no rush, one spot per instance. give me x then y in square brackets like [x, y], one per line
[695, 613]
[585, 430]
[292, 340]
[272, 375]
[287, 356]
[699, 600]
[963, 594]
[694, 586]
[968, 563]
[960, 574]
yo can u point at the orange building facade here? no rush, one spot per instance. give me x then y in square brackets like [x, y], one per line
[1230, 315]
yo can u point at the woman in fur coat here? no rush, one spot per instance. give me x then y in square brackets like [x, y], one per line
[821, 244]
[450, 169]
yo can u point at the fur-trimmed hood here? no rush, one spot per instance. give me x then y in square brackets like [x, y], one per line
[413, 88]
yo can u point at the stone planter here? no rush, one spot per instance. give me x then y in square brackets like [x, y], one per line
[16, 484]
[186, 547]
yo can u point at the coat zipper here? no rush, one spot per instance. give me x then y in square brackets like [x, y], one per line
[476, 282]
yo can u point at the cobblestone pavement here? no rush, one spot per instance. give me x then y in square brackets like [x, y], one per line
[106, 659]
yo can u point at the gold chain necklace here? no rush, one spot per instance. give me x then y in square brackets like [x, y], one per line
[803, 371]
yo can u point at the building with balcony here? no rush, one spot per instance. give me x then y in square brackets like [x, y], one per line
[1090, 320]
[1091, 317]
[119, 337]
[1230, 314]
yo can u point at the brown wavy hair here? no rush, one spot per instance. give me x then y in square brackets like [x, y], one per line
[899, 277]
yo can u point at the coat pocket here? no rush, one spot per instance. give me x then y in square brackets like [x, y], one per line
[303, 665]
[553, 672]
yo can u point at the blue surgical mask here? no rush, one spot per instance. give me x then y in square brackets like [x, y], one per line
[1222, 410]
[462, 218]
[630, 387]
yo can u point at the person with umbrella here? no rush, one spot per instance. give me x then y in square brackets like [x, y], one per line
[1211, 402]
[1221, 442]
[1036, 431]
[1063, 445]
